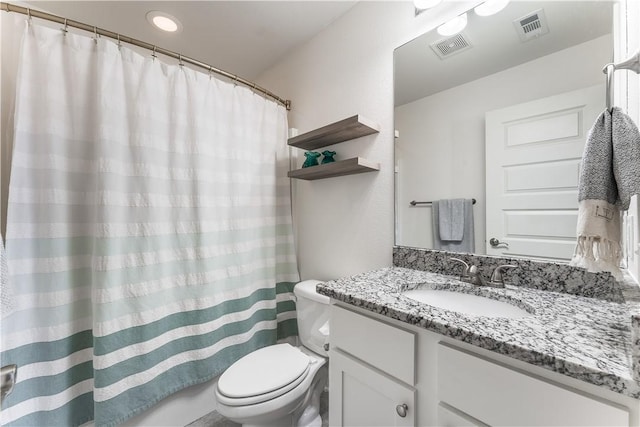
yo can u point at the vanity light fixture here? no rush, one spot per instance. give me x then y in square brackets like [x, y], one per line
[422, 5]
[453, 26]
[490, 7]
[164, 21]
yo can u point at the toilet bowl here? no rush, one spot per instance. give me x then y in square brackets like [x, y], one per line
[280, 385]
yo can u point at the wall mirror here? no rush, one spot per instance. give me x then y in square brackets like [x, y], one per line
[499, 113]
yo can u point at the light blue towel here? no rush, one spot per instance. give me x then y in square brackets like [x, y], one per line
[451, 221]
[467, 244]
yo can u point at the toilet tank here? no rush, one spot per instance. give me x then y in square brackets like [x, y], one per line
[313, 316]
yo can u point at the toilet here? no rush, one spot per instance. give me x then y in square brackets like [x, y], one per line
[280, 385]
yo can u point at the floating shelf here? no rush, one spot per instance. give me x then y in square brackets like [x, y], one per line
[339, 168]
[344, 130]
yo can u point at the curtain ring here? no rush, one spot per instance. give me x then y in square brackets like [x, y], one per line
[180, 63]
[28, 14]
[119, 42]
[95, 34]
[235, 80]
[153, 54]
[210, 72]
[65, 30]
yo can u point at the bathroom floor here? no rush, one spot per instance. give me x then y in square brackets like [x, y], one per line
[214, 419]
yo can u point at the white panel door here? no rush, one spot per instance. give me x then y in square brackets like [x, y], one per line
[533, 154]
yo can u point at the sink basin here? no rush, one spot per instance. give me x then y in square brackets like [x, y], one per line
[473, 305]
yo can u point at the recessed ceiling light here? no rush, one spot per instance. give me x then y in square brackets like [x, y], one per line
[490, 7]
[425, 4]
[454, 26]
[164, 21]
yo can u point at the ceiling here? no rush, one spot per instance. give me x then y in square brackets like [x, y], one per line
[241, 37]
[495, 45]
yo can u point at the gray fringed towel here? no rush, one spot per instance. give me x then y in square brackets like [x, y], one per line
[609, 176]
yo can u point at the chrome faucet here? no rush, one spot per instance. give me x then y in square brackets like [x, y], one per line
[497, 278]
[471, 274]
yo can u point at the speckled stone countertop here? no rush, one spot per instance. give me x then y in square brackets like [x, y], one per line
[581, 337]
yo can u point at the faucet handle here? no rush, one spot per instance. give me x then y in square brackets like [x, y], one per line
[465, 272]
[497, 278]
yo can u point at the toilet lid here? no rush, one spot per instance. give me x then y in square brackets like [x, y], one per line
[263, 371]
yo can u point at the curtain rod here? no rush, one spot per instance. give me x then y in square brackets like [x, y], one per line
[8, 7]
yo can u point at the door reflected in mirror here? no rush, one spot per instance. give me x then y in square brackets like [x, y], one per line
[499, 113]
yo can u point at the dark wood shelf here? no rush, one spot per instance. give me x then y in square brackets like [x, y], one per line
[339, 168]
[344, 130]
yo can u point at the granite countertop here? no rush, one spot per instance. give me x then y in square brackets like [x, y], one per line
[581, 337]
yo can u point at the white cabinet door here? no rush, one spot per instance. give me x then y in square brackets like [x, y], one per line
[451, 417]
[363, 396]
[501, 396]
[533, 154]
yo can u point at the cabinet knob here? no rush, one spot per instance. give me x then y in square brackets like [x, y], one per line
[402, 410]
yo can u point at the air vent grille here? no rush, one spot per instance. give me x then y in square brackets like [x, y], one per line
[447, 47]
[532, 25]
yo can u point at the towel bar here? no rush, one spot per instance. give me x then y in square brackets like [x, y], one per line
[413, 202]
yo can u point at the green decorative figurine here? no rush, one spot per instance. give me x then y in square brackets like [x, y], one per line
[328, 156]
[312, 159]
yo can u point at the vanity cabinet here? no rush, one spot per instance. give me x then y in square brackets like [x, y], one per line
[378, 364]
[371, 372]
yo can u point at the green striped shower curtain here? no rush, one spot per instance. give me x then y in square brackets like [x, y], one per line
[149, 230]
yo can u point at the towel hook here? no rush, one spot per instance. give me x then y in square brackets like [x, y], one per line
[631, 64]
[609, 69]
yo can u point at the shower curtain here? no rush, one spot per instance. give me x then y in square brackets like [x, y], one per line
[149, 231]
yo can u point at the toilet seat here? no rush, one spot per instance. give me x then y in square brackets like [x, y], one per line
[263, 375]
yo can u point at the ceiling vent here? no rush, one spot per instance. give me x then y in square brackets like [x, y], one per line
[447, 47]
[532, 25]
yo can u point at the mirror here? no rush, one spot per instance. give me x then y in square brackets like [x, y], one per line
[499, 113]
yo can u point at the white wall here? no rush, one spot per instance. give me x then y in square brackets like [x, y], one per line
[441, 149]
[344, 225]
[10, 30]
